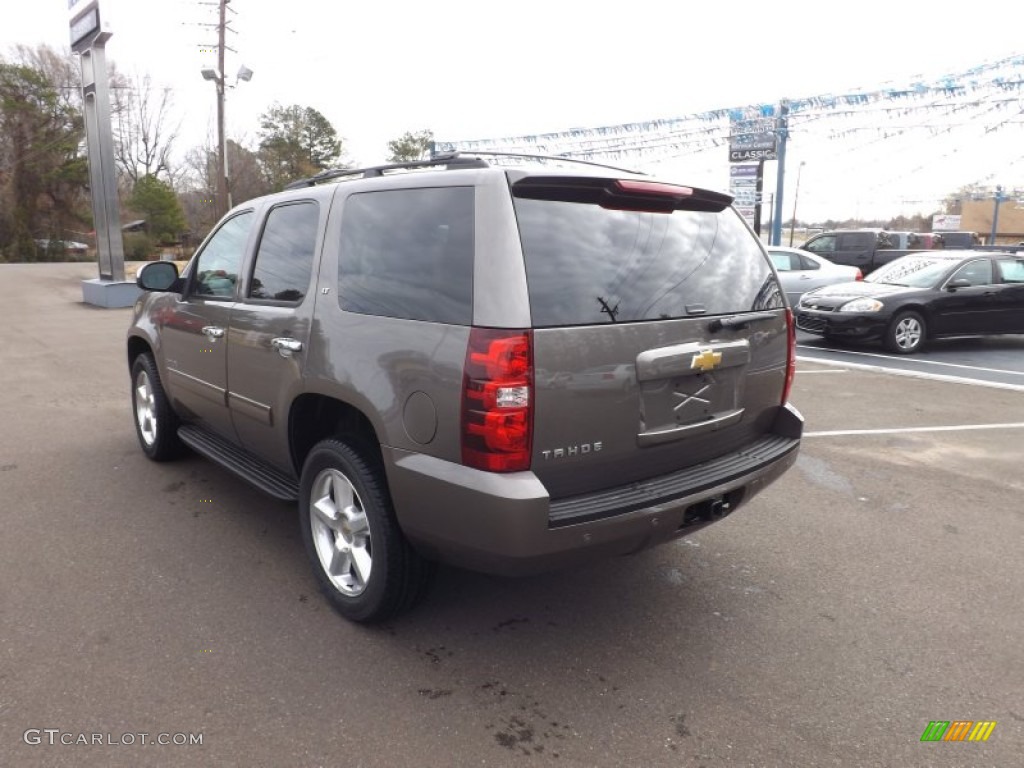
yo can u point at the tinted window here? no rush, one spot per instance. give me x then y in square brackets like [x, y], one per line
[588, 264]
[216, 272]
[284, 259]
[825, 244]
[855, 240]
[783, 261]
[409, 253]
[1012, 271]
[808, 263]
[976, 272]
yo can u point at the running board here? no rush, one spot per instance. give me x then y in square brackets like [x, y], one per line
[268, 479]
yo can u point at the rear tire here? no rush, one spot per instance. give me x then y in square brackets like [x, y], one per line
[156, 423]
[906, 333]
[361, 560]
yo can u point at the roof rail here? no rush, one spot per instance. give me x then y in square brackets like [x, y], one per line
[559, 158]
[451, 160]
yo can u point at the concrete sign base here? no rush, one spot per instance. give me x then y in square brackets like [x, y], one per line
[109, 293]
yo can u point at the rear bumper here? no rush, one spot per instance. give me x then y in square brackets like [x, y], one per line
[507, 523]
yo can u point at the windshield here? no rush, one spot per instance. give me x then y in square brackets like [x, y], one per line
[911, 271]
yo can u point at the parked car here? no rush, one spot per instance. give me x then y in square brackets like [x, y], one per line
[368, 348]
[800, 271]
[922, 296]
[866, 249]
[958, 239]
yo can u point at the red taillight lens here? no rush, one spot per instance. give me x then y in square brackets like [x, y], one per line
[790, 355]
[860, 275]
[497, 400]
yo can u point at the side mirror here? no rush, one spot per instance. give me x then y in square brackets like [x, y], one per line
[961, 282]
[159, 276]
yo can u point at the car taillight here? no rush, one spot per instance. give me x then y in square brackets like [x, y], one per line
[790, 355]
[497, 400]
[860, 275]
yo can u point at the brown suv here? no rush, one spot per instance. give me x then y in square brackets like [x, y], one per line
[508, 368]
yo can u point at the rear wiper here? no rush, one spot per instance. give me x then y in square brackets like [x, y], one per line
[739, 321]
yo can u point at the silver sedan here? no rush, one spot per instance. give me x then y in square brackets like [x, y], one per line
[801, 271]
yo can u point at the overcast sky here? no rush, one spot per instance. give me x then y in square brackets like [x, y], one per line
[480, 69]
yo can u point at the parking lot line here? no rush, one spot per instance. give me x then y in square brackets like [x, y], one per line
[903, 359]
[904, 430]
[919, 374]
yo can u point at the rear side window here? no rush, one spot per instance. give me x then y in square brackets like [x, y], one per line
[856, 240]
[408, 253]
[587, 264]
[284, 260]
[1012, 271]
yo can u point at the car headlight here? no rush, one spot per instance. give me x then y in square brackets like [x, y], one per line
[862, 305]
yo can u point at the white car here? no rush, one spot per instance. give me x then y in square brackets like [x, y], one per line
[802, 271]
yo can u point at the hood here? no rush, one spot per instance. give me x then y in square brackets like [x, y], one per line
[834, 296]
[856, 290]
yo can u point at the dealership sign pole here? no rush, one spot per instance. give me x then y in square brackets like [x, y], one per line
[89, 35]
[752, 140]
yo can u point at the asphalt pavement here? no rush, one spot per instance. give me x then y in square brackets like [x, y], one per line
[874, 589]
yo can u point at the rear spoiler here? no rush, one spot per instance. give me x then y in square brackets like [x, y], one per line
[621, 194]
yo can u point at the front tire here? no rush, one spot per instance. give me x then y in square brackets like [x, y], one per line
[361, 559]
[156, 424]
[906, 333]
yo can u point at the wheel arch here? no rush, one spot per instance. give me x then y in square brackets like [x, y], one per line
[919, 309]
[137, 345]
[314, 417]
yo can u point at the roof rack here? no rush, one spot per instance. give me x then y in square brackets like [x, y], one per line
[559, 158]
[450, 160]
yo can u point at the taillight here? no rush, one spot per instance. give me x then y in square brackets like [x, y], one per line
[497, 400]
[790, 355]
[653, 189]
[860, 275]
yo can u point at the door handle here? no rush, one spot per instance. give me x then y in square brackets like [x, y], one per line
[286, 346]
[213, 332]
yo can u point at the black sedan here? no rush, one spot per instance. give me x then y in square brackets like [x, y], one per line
[920, 296]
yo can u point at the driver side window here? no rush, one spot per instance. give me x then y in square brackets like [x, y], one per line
[977, 272]
[822, 245]
[216, 269]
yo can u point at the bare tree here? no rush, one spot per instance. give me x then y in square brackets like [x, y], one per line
[143, 136]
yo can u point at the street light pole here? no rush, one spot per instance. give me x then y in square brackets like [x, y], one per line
[796, 196]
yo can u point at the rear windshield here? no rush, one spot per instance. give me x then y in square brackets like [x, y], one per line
[586, 264]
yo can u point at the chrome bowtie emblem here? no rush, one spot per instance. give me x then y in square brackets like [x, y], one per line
[705, 360]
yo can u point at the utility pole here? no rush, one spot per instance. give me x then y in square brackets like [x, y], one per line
[783, 132]
[995, 215]
[796, 196]
[223, 195]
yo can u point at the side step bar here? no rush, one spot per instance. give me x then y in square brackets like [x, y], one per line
[268, 479]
